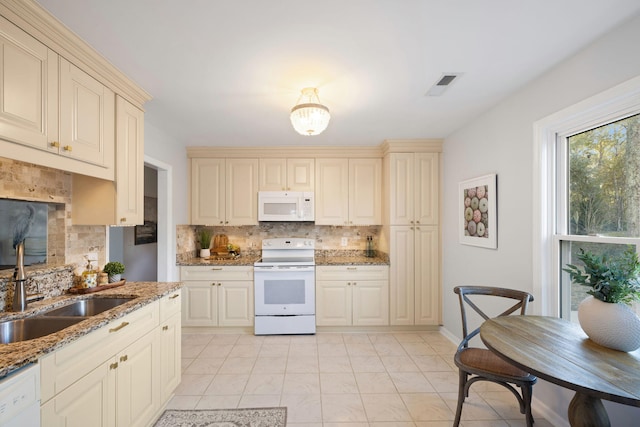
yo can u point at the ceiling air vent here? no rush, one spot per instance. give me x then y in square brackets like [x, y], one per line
[443, 83]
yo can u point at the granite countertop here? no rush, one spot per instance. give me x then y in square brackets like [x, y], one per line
[322, 258]
[16, 355]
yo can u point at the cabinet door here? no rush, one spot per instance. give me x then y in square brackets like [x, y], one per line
[242, 192]
[235, 303]
[365, 191]
[86, 117]
[402, 193]
[332, 192]
[137, 382]
[427, 185]
[402, 275]
[207, 191]
[129, 163]
[427, 275]
[170, 355]
[333, 303]
[87, 402]
[28, 89]
[200, 303]
[301, 174]
[370, 302]
[273, 175]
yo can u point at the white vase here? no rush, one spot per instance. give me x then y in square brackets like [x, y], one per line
[614, 326]
[115, 278]
[205, 253]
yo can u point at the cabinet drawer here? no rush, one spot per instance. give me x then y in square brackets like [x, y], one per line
[170, 305]
[352, 272]
[217, 272]
[65, 366]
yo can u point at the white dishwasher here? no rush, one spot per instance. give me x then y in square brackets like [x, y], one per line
[20, 398]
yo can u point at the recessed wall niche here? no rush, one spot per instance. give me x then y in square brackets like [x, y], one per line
[66, 243]
[23, 221]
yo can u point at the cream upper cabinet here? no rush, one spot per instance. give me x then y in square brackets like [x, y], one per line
[352, 295]
[348, 191]
[86, 117]
[101, 202]
[287, 174]
[414, 275]
[56, 112]
[50, 104]
[414, 182]
[28, 89]
[129, 163]
[207, 191]
[365, 191]
[224, 191]
[241, 192]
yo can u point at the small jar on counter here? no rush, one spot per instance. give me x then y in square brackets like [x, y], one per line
[103, 279]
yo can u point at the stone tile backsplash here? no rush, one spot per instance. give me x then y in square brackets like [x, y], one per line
[249, 238]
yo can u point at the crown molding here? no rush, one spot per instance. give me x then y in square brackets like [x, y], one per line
[40, 24]
[411, 146]
[285, 152]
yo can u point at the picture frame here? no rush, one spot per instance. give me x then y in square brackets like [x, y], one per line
[478, 214]
[145, 234]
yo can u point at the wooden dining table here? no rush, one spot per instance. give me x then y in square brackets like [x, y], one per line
[558, 351]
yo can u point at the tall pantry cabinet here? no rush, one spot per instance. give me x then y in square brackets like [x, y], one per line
[412, 225]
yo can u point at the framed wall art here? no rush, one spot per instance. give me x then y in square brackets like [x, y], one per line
[478, 212]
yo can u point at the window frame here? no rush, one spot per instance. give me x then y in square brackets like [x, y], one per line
[550, 225]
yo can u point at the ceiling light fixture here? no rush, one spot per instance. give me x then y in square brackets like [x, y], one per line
[309, 117]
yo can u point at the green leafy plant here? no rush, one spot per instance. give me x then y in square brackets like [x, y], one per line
[114, 267]
[610, 279]
[205, 239]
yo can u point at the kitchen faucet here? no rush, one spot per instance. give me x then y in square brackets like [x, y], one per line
[20, 297]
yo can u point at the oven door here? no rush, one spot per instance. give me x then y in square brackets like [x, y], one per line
[284, 290]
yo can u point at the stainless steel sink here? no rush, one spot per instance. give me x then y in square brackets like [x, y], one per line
[33, 327]
[87, 307]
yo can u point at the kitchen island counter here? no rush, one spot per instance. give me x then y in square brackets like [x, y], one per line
[16, 355]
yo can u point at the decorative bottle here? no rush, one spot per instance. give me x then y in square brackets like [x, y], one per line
[370, 252]
[89, 276]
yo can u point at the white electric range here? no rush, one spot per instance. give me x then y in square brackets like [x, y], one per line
[285, 294]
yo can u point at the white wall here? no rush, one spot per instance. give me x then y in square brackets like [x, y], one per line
[165, 150]
[500, 141]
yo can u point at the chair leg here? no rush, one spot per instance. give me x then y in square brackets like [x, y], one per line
[462, 381]
[527, 392]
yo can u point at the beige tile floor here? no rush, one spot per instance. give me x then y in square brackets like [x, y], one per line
[339, 380]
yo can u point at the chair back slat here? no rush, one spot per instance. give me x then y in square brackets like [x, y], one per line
[522, 302]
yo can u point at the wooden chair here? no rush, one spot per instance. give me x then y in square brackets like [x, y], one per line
[480, 364]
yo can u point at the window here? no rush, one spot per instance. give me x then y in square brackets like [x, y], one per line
[586, 190]
[598, 174]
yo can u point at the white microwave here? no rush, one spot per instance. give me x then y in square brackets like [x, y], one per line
[285, 206]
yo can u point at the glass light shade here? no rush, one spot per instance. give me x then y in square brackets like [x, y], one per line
[309, 117]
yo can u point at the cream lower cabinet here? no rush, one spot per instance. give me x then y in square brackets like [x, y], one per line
[217, 296]
[414, 278]
[170, 344]
[352, 295]
[112, 376]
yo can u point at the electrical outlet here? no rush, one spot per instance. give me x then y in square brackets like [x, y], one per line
[92, 256]
[343, 241]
